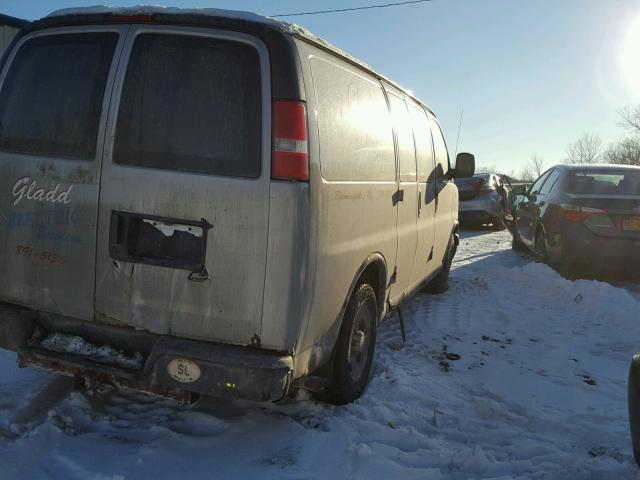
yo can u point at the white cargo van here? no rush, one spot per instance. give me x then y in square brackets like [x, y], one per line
[211, 202]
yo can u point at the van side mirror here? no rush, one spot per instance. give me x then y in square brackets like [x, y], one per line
[465, 165]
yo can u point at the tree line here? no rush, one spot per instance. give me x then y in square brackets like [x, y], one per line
[590, 148]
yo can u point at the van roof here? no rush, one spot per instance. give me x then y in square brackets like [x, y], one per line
[12, 21]
[231, 19]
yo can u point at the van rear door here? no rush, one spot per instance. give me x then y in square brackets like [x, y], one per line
[52, 116]
[185, 186]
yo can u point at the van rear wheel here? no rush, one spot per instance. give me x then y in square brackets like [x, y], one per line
[355, 348]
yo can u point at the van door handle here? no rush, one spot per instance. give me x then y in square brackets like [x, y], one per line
[419, 201]
[398, 196]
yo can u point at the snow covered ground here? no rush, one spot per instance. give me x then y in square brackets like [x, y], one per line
[516, 372]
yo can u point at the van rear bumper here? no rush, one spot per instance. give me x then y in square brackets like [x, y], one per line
[225, 370]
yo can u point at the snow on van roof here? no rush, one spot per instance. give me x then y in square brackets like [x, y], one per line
[151, 9]
[285, 27]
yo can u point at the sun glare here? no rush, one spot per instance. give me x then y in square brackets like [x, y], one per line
[630, 56]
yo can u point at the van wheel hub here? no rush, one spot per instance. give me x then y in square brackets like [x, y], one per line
[357, 342]
[359, 345]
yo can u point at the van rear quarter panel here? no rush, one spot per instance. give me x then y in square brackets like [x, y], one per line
[350, 190]
[288, 275]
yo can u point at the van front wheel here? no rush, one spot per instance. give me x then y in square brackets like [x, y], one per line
[355, 347]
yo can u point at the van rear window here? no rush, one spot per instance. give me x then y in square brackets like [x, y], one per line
[52, 96]
[191, 104]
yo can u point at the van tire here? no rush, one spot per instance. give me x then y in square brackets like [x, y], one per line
[360, 316]
[440, 282]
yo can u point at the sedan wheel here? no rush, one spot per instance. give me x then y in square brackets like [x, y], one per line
[541, 247]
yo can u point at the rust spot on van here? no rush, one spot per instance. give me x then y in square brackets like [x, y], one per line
[108, 320]
[80, 175]
[47, 170]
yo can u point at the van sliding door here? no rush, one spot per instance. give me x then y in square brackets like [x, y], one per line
[407, 198]
[424, 263]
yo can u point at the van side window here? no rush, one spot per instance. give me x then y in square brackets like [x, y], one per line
[404, 137]
[550, 182]
[354, 125]
[191, 104]
[440, 150]
[52, 96]
[422, 137]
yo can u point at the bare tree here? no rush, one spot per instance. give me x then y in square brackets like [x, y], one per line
[526, 175]
[587, 149]
[487, 169]
[532, 169]
[630, 119]
[624, 152]
[537, 164]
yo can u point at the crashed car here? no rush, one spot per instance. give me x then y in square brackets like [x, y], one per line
[484, 199]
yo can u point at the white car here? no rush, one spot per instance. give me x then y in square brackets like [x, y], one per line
[484, 199]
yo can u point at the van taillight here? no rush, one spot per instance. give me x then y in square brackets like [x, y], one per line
[290, 157]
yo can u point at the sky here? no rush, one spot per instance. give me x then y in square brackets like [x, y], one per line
[530, 75]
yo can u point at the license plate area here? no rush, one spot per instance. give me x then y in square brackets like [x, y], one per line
[631, 224]
[160, 241]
